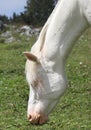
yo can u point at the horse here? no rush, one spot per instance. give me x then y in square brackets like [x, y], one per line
[45, 65]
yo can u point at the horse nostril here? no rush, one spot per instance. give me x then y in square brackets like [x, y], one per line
[29, 117]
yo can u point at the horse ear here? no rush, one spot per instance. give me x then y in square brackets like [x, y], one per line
[31, 57]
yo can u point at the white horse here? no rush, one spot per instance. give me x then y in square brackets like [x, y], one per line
[45, 66]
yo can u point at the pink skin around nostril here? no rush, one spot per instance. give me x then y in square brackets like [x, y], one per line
[38, 118]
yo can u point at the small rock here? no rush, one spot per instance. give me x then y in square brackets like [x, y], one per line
[6, 34]
[9, 40]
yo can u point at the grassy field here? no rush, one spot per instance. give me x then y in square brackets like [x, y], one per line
[74, 109]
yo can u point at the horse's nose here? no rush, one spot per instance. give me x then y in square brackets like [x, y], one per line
[38, 118]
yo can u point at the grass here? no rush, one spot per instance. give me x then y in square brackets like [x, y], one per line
[74, 109]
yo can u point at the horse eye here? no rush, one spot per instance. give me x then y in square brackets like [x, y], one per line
[34, 84]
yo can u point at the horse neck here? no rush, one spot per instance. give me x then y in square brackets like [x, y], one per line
[65, 27]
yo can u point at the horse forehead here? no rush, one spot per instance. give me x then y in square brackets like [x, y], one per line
[34, 73]
[31, 66]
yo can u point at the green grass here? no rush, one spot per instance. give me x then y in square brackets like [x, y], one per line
[74, 109]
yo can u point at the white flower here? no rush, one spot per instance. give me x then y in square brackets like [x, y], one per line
[80, 63]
